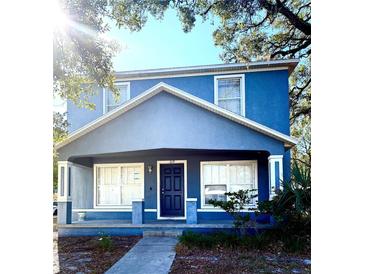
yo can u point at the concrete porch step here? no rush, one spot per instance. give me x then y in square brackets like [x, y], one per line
[162, 233]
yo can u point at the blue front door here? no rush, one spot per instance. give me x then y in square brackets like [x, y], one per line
[172, 190]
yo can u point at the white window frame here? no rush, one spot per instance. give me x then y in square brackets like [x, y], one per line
[119, 166]
[202, 189]
[128, 84]
[242, 89]
[65, 197]
[272, 174]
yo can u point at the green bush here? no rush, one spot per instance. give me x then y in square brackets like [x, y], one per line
[105, 241]
[237, 201]
[291, 209]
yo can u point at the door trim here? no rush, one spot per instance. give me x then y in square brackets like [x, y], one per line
[158, 188]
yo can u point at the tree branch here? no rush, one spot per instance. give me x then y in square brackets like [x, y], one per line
[291, 51]
[279, 7]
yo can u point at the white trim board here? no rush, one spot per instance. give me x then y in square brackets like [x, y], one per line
[163, 76]
[160, 87]
[248, 209]
[288, 64]
[185, 162]
[102, 210]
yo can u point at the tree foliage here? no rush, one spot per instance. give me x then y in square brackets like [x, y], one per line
[59, 133]
[82, 53]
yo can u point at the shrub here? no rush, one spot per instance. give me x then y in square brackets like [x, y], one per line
[291, 209]
[235, 204]
[105, 241]
[191, 239]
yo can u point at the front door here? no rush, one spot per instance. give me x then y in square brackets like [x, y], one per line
[172, 190]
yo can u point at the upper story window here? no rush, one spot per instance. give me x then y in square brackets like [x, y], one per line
[110, 101]
[229, 93]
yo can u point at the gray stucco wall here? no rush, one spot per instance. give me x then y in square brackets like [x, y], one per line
[82, 187]
[165, 121]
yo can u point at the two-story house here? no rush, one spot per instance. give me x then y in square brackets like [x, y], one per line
[174, 139]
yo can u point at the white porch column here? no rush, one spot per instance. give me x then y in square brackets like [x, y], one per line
[64, 204]
[275, 174]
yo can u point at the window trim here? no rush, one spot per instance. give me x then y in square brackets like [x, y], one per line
[242, 89]
[202, 198]
[128, 84]
[118, 165]
[63, 183]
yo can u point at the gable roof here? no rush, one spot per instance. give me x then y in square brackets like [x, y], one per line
[288, 64]
[160, 87]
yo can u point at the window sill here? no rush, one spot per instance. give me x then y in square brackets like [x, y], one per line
[216, 209]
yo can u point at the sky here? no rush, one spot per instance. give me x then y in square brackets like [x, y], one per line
[162, 44]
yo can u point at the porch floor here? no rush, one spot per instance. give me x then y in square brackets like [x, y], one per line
[125, 227]
[149, 224]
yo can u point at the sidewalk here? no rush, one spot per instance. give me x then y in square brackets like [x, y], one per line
[153, 255]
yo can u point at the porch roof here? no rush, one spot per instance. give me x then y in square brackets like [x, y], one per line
[163, 87]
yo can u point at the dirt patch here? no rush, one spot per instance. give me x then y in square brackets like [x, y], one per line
[84, 254]
[237, 260]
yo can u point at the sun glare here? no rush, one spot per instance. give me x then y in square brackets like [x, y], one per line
[60, 19]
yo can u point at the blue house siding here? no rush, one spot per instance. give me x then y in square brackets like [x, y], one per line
[266, 96]
[267, 99]
[78, 117]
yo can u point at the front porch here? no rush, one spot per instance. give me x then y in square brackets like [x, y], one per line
[157, 227]
[81, 211]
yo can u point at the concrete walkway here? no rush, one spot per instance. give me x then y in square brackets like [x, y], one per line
[153, 255]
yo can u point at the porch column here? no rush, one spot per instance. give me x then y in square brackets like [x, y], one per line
[191, 211]
[275, 174]
[64, 201]
[137, 211]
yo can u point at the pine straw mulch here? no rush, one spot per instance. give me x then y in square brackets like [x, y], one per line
[225, 260]
[84, 254]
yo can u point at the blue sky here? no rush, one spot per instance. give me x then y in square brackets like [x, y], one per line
[162, 44]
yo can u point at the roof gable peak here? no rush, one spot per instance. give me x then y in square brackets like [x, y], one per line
[162, 86]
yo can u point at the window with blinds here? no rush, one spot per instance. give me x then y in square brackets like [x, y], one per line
[118, 185]
[229, 176]
[111, 102]
[229, 93]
